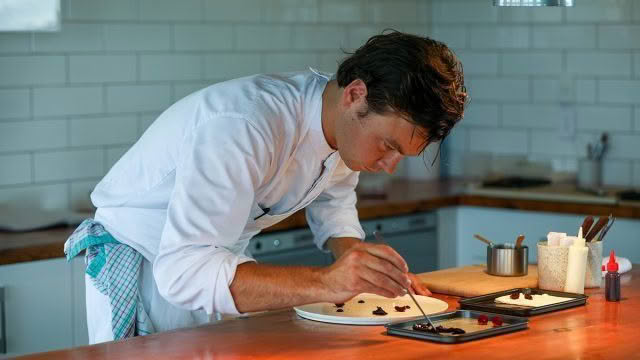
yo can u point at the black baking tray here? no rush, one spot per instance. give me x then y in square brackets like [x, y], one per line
[487, 302]
[510, 324]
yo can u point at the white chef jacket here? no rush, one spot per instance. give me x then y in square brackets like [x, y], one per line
[194, 189]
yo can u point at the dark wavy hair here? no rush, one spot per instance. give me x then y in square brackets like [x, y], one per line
[419, 78]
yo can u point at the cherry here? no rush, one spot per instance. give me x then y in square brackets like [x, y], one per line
[497, 321]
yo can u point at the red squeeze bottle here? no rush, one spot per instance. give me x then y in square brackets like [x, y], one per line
[612, 279]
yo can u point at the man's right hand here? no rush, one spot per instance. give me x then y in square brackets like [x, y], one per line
[365, 267]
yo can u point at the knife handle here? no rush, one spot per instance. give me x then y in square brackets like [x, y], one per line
[602, 221]
[586, 225]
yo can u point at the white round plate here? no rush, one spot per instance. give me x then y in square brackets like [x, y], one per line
[355, 313]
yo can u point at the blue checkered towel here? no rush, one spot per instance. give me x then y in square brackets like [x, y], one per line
[114, 269]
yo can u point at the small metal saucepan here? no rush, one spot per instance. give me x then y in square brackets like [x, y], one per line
[506, 259]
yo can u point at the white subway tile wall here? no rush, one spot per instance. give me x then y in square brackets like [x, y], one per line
[71, 38]
[617, 172]
[137, 98]
[46, 196]
[295, 11]
[499, 37]
[532, 64]
[15, 42]
[171, 10]
[113, 68]
[101, 10]
[203, 37]
[619, 36]
[601, 11]
[544, 82]
[73, 102]
[14, 103]
[29, 70]
[342, 11]
[498, 141]
[68, 164]
[33, 135]
[20, 166]
[481, 114]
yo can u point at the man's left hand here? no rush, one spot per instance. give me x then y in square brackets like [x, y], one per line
[417, 286]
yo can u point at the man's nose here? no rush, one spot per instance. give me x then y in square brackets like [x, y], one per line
[389, 162]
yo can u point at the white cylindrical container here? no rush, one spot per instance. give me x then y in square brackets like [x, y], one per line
[594, 265]
[552, 266]
[589, 174]
[576, 266]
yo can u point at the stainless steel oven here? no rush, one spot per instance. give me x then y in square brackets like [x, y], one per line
[413, 236]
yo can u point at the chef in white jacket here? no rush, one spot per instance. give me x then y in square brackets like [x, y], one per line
[232, 159]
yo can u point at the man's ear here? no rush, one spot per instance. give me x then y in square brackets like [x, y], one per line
[354, 93]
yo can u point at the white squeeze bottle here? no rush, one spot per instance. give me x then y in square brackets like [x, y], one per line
[577, 265]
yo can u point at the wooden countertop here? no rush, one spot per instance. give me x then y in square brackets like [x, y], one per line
[403, 197]
[599, 330]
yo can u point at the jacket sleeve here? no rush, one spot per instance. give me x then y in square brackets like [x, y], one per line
[219, 167]
[333, 213]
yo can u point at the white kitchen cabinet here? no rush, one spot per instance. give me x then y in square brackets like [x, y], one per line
[44, 306]
[456, 226]
[79, 304]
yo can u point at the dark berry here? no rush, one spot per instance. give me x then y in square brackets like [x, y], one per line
[528, 297]
[399, 308]
[516, 295]
[483, 319]
[379, 311]
[496, 320]
[424, 327]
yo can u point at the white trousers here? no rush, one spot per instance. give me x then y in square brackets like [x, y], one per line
[164, 315]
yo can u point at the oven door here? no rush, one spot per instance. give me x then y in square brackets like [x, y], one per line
[293, 247]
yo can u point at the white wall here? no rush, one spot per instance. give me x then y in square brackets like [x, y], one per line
[72, 102]
[533, 72]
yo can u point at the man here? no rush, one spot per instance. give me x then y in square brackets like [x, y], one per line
[175, 214]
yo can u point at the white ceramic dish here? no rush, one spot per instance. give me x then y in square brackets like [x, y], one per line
[355, 313]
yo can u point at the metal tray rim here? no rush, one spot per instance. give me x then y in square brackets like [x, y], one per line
[397, 328]
[472, 303]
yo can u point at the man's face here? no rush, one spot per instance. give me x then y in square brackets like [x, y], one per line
[376, 142]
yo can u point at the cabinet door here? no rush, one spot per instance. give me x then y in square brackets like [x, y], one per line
[417, 248]
[78, 303]
[37, 306]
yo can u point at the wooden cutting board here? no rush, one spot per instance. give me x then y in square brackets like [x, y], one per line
[473, 280]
